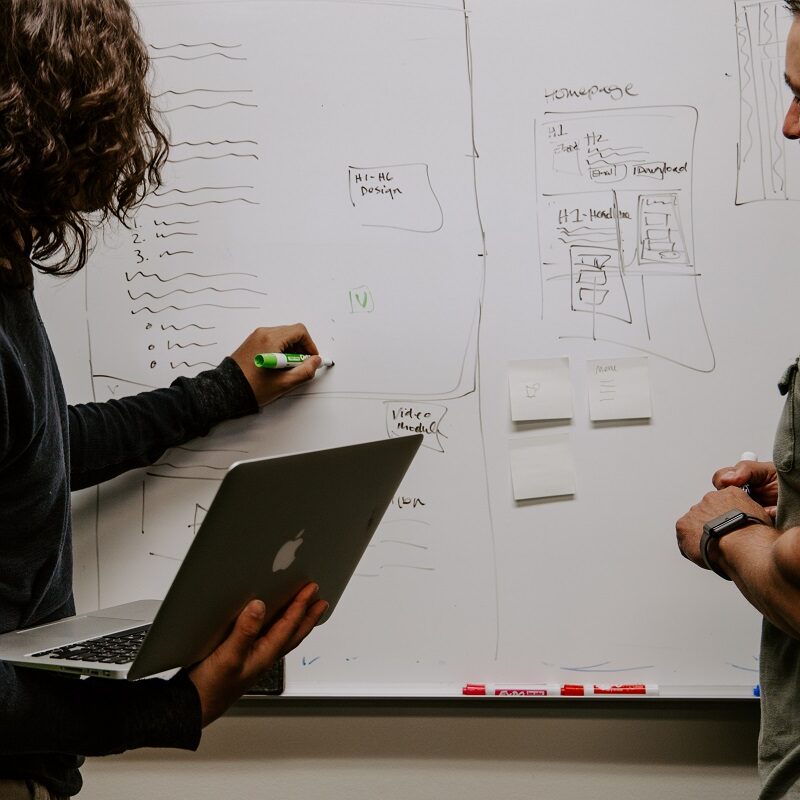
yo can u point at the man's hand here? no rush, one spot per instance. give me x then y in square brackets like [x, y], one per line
[248, 652]
[689, 527]
[270, 384]
[760, 476]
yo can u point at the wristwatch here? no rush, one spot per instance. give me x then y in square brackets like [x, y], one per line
[720, 526]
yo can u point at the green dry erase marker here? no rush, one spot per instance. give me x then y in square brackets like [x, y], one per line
[285, 360]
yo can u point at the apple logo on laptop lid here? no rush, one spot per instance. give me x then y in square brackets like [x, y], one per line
[287, 553]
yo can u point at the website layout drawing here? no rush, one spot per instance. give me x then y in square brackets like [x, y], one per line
[300, 188]
[616, 233]
[768, 166]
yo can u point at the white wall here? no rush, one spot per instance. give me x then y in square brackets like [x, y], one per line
[351, 751]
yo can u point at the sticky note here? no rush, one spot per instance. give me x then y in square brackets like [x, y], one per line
[540, 389]
[542, 466]
[619, 388]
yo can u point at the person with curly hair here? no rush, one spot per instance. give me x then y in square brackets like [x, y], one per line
[753, 539]
[80, 144]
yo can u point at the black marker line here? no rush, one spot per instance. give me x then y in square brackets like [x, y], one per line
[203, 203]
[176, 253]
[193, 291]
[188, 308]
[178, 222]
[212, 158]
[210, 108]
[161, 555]
[190, 325]
[213, 143]
[121, 380]
[201, 189]
[406, 544]
[175, 233]
[173, 345]
[197, 58]
[197, 507]
[198, 44]
[211, 91]
[129, 277]
[191, 366]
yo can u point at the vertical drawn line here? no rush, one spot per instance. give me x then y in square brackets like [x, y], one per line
[538, 231]
[96, 492]
[759, 115]
[646, 314]
[479, 342]
[143, 505]
[696, 279]
[618, 229]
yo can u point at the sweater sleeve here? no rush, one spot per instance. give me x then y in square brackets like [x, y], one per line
[94, 716]
[107, 439]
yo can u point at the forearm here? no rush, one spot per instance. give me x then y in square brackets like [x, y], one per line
[107, 439]
[765, 566]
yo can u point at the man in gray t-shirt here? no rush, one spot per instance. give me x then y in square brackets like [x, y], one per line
[759, 549]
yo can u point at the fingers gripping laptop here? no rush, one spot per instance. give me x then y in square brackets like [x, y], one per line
[274, 525]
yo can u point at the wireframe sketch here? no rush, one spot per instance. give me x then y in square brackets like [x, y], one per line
[295, 190]
[275, 207]
[615, 219]
[768, 169]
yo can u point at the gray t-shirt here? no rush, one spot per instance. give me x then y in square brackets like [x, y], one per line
[780, 654]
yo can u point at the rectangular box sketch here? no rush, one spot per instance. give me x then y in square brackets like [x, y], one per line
[286, 195]
[768, 166]
[615, 228]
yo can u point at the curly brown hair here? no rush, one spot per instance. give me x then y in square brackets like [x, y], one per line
[793, 6]
[77, 128]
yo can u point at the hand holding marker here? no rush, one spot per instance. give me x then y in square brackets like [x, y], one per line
[285, 360]
[748, 456]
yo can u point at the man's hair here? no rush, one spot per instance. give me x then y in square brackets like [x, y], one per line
[77, 128]
[793, 6]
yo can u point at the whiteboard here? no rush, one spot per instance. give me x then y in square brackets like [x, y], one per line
[438, 190]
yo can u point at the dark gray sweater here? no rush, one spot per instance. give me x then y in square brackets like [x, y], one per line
[47, 722]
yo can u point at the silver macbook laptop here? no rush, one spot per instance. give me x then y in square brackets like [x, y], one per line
[274, 525]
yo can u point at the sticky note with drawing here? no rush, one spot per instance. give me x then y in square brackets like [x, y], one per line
[540, 389]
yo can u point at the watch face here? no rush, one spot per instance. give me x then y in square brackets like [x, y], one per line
[725, 523]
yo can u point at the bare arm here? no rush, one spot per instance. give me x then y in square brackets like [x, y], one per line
[762, 561]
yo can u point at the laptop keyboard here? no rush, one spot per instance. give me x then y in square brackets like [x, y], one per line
[115, 648]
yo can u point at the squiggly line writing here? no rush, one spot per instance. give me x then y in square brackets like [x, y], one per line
[212, 91]
[190, 325]
[130, 277]
[188, 308]
[197, 58]
[203, 203]
[191, 291]
[212, 158]
[211, 108]
[201, 189]
[197, 44]
[173, 345]
[208, 141]
[190, 366]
